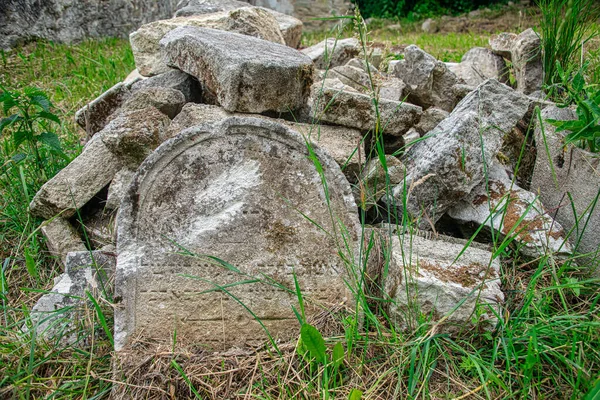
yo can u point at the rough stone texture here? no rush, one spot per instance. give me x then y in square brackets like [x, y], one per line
[356, 110]
[243, 73]
[345, 145]
[309, 10]
[133, 77]
[392, 88]
[479, 64]
[234, 190]
[133, 135]
[60, 312]
[77, 183]
[332, 53]
[428, 81]
[410, 138]
[73, 20]
[352, 76]
[424, 276]
[334, 84]
[96, 114]
[362, 64]
[290, 27]
[61, 238]
[174, 79]
[578, 173]
[510, 210]
[446, 166]
[502, 44]
[527, 61]
[168, 101]
[100, 228]
[430, 119]
[430, 26]
[372, 181]
[118, 187]
[186, 8]
[250, 21]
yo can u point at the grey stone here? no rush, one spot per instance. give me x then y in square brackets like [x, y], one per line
[174, 79]
[373, 183]
[446, 166]
[356, 110]
[362, 64]
[430, 119]
[61, 238]
[527, 61]
[333, 53]
[77, 183]
[410, 138]
[235, 190]
[509, 210]
[69, 21]
[561, 171]
[133, 77]
[100, 228]
[462, 90]
[430, 26]
[310, 11]
[479, 64]
[290, 27]
[502, 44]
[95, 115]
[167, 101]
[391, 88]
[133, 135]
[118, 187]
[251, 21]
[428, 278]
[352, 76]
[428, 81]
[58, 314]
[257, 76]
[334, 83]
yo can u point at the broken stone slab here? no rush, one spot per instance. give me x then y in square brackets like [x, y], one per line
[258, 76]
[344, 144]
[509, 210]
[527, 61]
[430, 119]
[391, 88]
[251, 21]
[428, 81]
[290, 27]
[77, 183]
[118, 187]
[133, 135]
[61, 238]
[94, 116]
[133, 77]
[562, 171]
[356, 110]
[236, 190]
[352, 76]
[502, 44]
[479, 64]
[449, 163]
[167, 101]
[332, 53]
[373, 182]
[427, 279]
[174, 79]
[58, 314]
[99, 228]
[362, 64]
[334, 83]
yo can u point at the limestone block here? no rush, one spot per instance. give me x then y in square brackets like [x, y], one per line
[95, 115]
[61, 238]
[174, 79]
[167, 101]
[332, 53]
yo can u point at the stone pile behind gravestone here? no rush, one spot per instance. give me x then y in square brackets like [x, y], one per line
[243, 190]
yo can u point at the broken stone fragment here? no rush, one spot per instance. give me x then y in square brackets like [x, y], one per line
[332, 53]
[428, 81]
[290, 27]
[449, 163]
[391, 88]
[133, 135]
[362, 64]
[352, 76]
[479, 64]
[259, 76]
[373, 183]
[96, 114]
[356, 110]
[430, 119]
[527, 61]
[252, 21]
[61, 238]
[77, 183]
[133, 77]
[174, 79]
[427, 279]
[58, 314]
[502, 44]
[117, 188]
[509, 210]
[168, 101]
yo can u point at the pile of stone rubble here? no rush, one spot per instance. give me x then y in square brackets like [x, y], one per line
[219, 145]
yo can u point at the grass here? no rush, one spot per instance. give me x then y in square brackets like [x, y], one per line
[547, 345]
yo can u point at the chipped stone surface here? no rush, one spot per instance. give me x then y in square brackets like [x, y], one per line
[502, 44]
[527, 61]
[59, 313]
[428, 81]
[133, 135]
[502, 205]
[424, 276]
[577, 172]
[235, 190]
[430, 119]
[372, 181]
[259, 76]
[446, 166]
[356, 110]
[392, 88]
[167, 101]
[96, 114]
[290, 27]
[352, 76]
[251, 21]
[118, 187]
[174, 79]
[332, 53]
[77, 183]
[479, 64]
[61, 238]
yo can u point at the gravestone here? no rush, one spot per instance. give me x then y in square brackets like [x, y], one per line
[245, 191]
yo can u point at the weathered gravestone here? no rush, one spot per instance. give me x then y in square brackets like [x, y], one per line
[237, 190]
